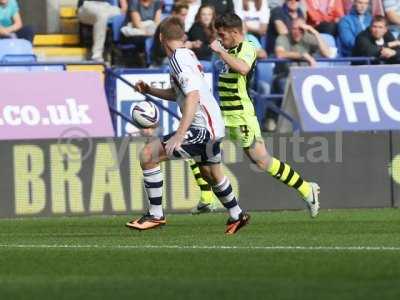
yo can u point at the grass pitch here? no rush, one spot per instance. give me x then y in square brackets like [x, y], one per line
[343, 254]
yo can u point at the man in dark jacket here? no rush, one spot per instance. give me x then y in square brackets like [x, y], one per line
[378, 42]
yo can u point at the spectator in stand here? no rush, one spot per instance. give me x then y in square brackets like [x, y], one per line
[392, 10]
[158, 56]
[144, 17]
[194, 6]
[11, 22]
[301, 44]
[351, 25]
[281, 21]
[278, 3]
[255, 15]
[376, 41]
[324, 14]
[222, 7]
[97, 13]
[203, 32]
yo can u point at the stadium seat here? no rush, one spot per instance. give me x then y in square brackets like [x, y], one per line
[264, 72]
[330, 40]
[12, 47]
[19, 58]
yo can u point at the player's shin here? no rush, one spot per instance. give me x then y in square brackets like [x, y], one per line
[288, 176]
[153, 183]
[224, 192]
[207, 196]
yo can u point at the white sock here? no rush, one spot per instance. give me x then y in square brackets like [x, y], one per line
[156, 210]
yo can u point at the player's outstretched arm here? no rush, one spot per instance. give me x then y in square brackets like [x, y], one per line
[144, 88]
[237, 64]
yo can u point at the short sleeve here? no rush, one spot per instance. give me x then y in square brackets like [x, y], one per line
[277, 15]
[264, 13]
[133, 5]
[188, 80]
[282, 42]
[16, 7]
[157, 5]
[248, 53]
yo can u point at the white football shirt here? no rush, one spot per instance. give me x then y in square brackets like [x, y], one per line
[187, 76]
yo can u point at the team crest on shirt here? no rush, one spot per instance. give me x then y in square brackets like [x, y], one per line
[183, 82]
[225, 68]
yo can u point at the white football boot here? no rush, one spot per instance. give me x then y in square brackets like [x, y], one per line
[312, 199]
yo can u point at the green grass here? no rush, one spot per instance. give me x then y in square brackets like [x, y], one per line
[115, 264]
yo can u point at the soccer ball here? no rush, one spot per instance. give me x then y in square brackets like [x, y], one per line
[145, 114]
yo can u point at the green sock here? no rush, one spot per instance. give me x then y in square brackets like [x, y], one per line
[207, 195]
[288, 176]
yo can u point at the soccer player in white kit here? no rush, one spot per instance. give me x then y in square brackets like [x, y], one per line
[198, 136]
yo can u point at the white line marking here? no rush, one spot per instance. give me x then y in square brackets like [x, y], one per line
[198, 247]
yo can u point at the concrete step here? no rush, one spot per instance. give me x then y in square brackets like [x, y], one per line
[68, 12]
[56, 40]
[60, 53]
[69, 23]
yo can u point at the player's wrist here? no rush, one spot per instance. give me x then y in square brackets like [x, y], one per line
[148, 89]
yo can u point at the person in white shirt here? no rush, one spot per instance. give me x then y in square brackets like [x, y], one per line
[198, 136]
[194, 6]
[254, 14]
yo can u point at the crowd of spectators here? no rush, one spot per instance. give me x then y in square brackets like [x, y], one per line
[266, 21]
[295, 30]
[298, 30]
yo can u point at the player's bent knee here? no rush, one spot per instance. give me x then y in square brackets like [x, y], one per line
[146, 156]
[262, 164]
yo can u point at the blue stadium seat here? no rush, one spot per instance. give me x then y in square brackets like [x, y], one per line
[15, 47]
[265, 71]
[19, 58]
[330, 40]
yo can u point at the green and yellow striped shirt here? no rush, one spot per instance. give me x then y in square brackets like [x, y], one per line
[233, 87]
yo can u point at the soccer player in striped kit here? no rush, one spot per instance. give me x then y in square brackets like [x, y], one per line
[198, 136]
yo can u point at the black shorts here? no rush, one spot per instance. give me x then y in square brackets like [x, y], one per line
[198, 146]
